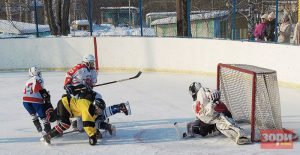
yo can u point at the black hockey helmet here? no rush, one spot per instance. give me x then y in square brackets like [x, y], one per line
[99, 103]
[194, 88]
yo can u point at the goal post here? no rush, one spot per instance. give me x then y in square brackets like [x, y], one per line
[251, 94]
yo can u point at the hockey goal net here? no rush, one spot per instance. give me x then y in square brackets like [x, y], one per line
[251, 94]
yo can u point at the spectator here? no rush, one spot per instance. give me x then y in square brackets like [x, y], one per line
[285, 30]
[271, 27]
[260, 29]
[296, 37]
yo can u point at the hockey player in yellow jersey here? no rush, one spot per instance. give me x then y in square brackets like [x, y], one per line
[69, 107]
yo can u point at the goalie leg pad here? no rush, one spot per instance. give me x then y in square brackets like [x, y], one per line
[227, 126]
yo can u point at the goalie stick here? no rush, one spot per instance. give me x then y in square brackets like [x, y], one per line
[134, 77]
[183, 135]
[180, 134]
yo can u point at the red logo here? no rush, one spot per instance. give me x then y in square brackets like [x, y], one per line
[277, 139]
[198, 107]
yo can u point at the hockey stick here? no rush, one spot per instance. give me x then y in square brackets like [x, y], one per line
[77, 130]
[134, 77]
[72, 131]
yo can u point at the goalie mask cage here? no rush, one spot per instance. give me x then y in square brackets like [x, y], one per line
[251, 94]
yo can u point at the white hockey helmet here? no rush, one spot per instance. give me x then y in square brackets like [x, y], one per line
[89, 60]
[34, 71]
[194, 88]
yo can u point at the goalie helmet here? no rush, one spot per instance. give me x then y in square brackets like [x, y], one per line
[194, 88]
[34, 71]
[89, 60]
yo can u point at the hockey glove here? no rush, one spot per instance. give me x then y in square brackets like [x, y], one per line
[214, 96]
[69, 89]
[93, 140]
[45, 95]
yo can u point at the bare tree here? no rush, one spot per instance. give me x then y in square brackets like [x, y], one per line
[27, 11]
[8, 10]
[65, 28]
[58, 15]
[60, 26]
[50, 17]
[20, 10]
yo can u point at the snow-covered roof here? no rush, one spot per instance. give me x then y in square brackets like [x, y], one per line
[15, 27]
[205, 15]
[115, 8]
[161, 14]
[81, 22]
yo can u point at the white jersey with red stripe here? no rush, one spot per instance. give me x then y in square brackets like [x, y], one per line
[32, 88]
[203, 107]
[81, 74]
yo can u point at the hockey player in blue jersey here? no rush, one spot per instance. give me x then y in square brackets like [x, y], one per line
[101, 120]
[36, 100]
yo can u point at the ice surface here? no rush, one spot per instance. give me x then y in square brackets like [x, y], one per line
[157, 100]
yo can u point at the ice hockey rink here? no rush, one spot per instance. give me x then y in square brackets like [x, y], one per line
[157, 101]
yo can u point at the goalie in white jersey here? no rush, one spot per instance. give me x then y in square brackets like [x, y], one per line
[212, 115]
[36, 100]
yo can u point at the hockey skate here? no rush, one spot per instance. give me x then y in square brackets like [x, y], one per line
[47, 127]
[46, 139]
[38, 126]
[243, 141]
[125, 108]
[111, 129]
[241, 138]
[99, 134]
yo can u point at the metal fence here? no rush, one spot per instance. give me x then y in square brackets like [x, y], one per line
[226, 19]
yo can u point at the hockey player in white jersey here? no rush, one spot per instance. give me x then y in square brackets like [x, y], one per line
[84, 76]
[36, 100]
[208, 109]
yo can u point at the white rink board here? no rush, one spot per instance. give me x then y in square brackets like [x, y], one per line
[161, 54]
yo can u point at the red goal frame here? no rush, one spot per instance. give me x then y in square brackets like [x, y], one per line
[253, 94]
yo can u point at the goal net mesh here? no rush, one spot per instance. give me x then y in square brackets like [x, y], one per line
[251, 92]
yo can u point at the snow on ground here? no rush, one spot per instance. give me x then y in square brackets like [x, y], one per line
[110, 30]
[98, 30]
[157, 100]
